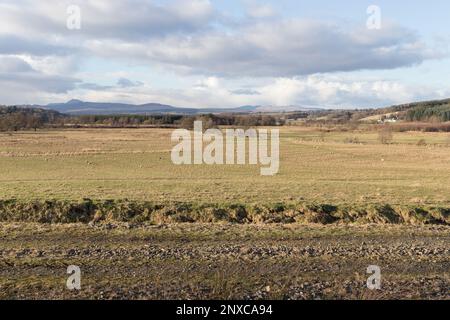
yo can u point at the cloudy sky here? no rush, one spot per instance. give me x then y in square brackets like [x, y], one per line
[225, 53]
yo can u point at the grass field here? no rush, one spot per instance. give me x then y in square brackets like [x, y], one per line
[135, 164]
[48, 177]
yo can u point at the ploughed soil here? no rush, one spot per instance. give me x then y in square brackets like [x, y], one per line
[223, 261]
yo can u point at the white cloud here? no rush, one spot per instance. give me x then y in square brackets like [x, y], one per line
[127, 83]
[339, 92]
[130, 19]
[257, 10]
[19, 80]
[313, 91]
[180, 35]
[282, 61]
[283, 48]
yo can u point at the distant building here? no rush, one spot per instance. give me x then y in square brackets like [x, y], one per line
[391, 118]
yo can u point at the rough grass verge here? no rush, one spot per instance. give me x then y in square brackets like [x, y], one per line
[92, 211]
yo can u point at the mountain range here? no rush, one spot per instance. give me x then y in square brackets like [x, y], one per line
[78, 107]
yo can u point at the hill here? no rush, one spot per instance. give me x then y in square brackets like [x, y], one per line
[426, 111]
[434, 110]
[438, 110]
[78, 107]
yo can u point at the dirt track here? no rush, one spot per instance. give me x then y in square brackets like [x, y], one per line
[223, 261]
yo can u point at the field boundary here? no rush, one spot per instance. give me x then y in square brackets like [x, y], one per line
[101, 211]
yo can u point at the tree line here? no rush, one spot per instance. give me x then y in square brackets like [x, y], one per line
[16, 118]
[426, 113]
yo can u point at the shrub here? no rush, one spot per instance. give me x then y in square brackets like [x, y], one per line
[354, 140]
[385, 135]
[421, 142]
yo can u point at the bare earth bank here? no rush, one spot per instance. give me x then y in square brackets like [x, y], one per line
[223, 261]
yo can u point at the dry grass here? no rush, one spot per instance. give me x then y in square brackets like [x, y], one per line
[88, 211]
[398, 191]
[135, 164]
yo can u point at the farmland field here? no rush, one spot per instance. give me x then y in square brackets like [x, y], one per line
[395, 198]
[221, 261]
[136, 164]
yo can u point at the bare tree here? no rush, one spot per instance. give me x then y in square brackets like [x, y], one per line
[385, 135]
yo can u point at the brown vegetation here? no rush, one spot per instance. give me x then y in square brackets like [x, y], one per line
[385, 135]
[182, 212]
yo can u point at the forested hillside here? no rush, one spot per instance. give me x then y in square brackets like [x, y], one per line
[17, 118]
[433, 110]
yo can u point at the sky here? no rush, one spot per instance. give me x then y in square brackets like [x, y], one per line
[225, 53]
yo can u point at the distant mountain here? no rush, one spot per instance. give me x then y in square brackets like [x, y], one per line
[78, 107]
[285, 109]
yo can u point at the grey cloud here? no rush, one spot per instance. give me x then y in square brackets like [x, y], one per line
[13, 64]
[10, 44]
[191, 37]
[181, 35]
[111, 19]
[37, 81]
[126, 83]
[93, 86]
[290, 48]
[121, 83]
[248, 92]
[15, 72]
[137, 19]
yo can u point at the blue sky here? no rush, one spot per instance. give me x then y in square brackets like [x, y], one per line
[430, 17]
[212, 53]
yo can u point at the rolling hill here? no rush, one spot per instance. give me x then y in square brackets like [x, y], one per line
[78, 107]
[438, 110]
